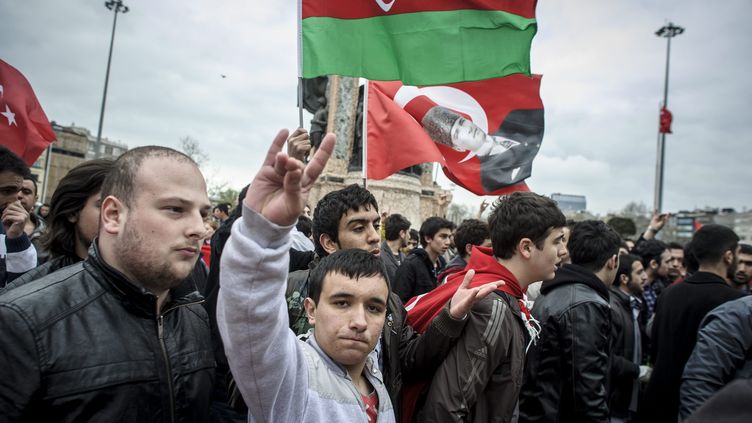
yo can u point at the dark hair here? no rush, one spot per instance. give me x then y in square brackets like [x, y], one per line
[414, 235]
[304, 225]
[625, 267]
[223, 207]
[121, 179]
[522, 215]
[675, 246]
[395, 223]
[353, 263]
[69, 198]
[745, 248]
[711, 241]
[650, 250]
[10, 162]
[592, 243]
[330, 209]
[33, 179]
[431, 226]
[470, 231]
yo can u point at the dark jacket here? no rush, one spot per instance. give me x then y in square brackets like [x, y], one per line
[481, 377]
[624, 371]
[456, 264]
[566, 379]
[84, 344]
[391, 262]
[679, 311]
[408, 354]
[417, 275]
[723, 353]
[729, 405]
[43, 270]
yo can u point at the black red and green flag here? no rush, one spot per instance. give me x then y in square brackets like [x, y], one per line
[418, 42]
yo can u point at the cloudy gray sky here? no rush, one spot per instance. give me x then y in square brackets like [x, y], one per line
[603, 73]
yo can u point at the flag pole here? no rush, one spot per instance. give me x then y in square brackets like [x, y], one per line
[300, 63]
[364, 137]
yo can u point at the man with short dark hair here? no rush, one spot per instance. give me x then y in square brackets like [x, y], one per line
[35, 226]
[656, 259]
[470, 233]
[419, 272]
[397, 234]
[121, 336]
[626, 338]
[480, 378]
[17, 255]
[679, 311]
[566, 378]
[676, 269]
[743, 275]
[221, 212]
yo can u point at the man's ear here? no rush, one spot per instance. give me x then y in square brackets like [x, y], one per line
[728, 257]
[310, 308]
[468, 248]
[112, 215]
[613, 262]
[525, 247]
[653, 264]
[624, 279]
[328, 244]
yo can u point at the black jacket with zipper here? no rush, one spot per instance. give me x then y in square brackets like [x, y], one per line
[84, 344]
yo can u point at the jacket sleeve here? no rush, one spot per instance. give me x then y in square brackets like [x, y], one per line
[263, 353]
[464, 374]
[724, 344]
[422, 354]
[404, 281]
[18, 351]
[20, 257]
[587, 326]
[622, 368]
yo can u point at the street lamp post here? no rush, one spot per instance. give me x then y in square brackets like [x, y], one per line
[668, 31]
[116, 6]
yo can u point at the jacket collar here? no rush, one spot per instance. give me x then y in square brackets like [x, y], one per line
[136, 298]
[572, 273]
[706, 278]
[371, 366]
[620, 296]
[385, 250]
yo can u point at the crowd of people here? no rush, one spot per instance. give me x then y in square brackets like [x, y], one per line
[130, 297]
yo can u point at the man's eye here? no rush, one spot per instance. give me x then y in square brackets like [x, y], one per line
[341, 304]
[375, 309]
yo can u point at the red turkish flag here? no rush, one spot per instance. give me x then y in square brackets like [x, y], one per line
[412, 125]
[665, 121]
[24, 127]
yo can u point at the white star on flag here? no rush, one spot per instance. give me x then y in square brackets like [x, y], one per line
[1, 91]
[10, 116]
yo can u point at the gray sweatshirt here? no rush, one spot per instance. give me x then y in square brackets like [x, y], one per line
[282, 379]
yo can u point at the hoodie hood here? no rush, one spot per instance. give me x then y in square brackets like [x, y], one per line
[572, 273]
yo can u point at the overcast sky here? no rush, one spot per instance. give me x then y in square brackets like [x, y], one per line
[603, 71]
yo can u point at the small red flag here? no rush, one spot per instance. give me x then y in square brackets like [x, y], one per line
[666, 119]
[24, 127]
[485, 134]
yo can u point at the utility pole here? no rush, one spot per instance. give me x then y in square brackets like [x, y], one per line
[117, 6]
[668, 31]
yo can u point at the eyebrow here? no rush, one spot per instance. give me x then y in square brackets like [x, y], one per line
[345, 295]
[362, 221]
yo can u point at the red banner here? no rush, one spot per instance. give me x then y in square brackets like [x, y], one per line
[485, 134]
[24, 127]
[358, 9]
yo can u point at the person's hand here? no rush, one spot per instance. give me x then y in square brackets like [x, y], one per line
[645, 373]
[483, 206]
[659, 221]
[299, 145]
[279, 191]
[14, 218]
[465, 298]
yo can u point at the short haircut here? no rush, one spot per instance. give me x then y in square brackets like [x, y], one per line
[431, 226]
[711, 241]
[10, 162]
[675, 246]
[395, 223]
[625, 267]
[33, 179]
[69, 198]
[414, 235]
[745, 249]
[592, 243]
[120, 181]
[330, 209]
[522, 215]
[304, 225]
[650, 250]
[470, 231]
[223, 207]
[353, 263]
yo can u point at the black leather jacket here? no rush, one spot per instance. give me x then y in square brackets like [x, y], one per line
[84, 344]
[566, 378]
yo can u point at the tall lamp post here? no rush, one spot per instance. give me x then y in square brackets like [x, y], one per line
[668, 31]
[116, 6]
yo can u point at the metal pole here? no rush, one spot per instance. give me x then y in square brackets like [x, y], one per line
[300, 64]
[669, 31]
[364, 137]
[45, 183]
[117, 6]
